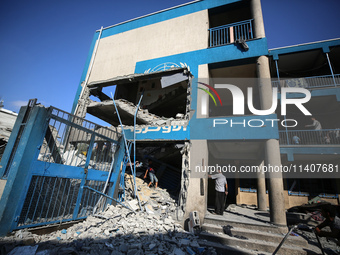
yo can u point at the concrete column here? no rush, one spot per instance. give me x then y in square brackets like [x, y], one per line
[196, 199]
[261, 190]
[272, 148]
[276, 196]
[264, 82]
[202, 97]
[2, 187]
[258, 27]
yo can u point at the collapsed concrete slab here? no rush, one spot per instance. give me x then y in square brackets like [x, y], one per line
[106, 111]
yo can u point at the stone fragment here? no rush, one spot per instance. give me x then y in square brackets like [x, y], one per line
[123, 248]
[178, 251]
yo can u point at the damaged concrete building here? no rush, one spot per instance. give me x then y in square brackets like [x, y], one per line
[167, 73]
[168, 55]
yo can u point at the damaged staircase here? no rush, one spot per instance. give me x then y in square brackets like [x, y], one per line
[249, 238]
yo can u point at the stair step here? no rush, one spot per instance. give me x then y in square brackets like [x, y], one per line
[252, 245]
[223, 249]
[257, 235]
[263, 227]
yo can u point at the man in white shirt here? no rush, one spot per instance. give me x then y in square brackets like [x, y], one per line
[316, 125]
[221, 188]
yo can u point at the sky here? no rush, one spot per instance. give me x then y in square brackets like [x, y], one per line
[44, 44]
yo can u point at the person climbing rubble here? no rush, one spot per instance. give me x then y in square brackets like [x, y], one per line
[332, 221]
[152, 174]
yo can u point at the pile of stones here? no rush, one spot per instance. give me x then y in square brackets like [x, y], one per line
[139, 226]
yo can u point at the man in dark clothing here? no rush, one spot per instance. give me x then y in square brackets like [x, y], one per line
[332, 220]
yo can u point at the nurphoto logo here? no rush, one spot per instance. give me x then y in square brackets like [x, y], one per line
[238, 103]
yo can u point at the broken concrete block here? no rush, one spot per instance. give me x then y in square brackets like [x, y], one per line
[134, 204]
[132, 252]
[168, 221]
[24, 250]
[149, 210]
[123, 247]
[178, 251]
[137, 246]
[28, 241]
[117, 253]
[184, 242]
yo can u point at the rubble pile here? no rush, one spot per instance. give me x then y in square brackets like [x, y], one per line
[116, 231]
[329, 244]
[154, 201]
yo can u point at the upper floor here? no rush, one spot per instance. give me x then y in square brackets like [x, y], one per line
[186, 35]
[312, 66]
[190, 27]
[315, 67]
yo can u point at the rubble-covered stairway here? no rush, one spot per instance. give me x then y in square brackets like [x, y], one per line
[240, 229]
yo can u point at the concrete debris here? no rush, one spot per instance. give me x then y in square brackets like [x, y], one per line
[149, 118]
[117, 230]
[7, 120]
[329, 244]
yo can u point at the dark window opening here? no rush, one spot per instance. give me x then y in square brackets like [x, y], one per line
[167, 161]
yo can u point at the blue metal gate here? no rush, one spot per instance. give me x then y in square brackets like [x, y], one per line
[50, 157]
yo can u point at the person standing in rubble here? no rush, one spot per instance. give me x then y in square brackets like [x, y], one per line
[152, 174]
[221, 188]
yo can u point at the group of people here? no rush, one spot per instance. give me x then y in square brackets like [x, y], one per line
[150, 171]
[322, 137]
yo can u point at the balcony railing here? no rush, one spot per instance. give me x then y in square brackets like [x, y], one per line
[309, 82]
[226, 34]
[310, 137]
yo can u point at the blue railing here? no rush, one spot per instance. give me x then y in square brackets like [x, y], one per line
[226, 34]
[310, 137]
[309, 82]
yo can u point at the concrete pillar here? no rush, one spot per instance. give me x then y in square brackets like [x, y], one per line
[2, 187]
[202, 97]
[196, 197]
[261, 190]
[272, 148]
[276, 196]
[264, 82]
[258, 19]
